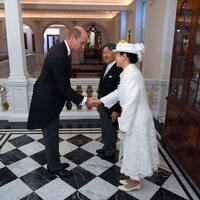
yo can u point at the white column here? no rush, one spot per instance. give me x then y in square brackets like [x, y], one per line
[167, 39]
[123, 25]
[166, 55]
[17, 81]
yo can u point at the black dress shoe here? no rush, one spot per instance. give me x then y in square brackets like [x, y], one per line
[61, 172]
[62, 165]
[100, 151]
[107, 156]
[109, 153]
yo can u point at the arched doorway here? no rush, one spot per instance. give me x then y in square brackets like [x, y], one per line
[53, 34]
[29, 41]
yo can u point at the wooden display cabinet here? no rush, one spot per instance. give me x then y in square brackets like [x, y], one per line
[182, 126]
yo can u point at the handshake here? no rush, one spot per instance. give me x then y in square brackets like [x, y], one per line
[91, 102]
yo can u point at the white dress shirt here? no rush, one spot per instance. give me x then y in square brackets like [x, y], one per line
[108, 67]
[69, 52]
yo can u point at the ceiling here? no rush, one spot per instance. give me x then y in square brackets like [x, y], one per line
[79, 2]
[87, 9]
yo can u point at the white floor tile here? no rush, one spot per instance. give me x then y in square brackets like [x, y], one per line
[14, 190]
[23, 166]
[32, 148]
[92, 146]
[66, 147]
[55, 190]
[172, 185]
[98, 189]
[146, 192]
[7, 147]
[96, 165]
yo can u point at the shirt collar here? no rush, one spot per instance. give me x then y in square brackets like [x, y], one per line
[68, 49]
[111, 64]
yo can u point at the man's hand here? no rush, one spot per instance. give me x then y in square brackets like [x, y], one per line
[114, 116]
[89, 102]
[92, 102]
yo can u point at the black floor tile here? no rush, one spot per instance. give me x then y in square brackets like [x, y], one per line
[112, 175]
[79, 140]
[12, 156]
[78, 156]
[120, 195]
[21, 140]
[80, 177]
[159, 176]
[37, 178]
[6, 176]
[40, 157]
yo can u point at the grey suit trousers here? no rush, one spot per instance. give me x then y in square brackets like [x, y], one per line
[51, 140]
[109, 132]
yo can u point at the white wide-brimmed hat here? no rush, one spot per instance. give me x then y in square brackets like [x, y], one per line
[129, 48]
[137, 48]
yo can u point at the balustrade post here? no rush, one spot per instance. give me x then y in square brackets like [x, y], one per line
[79, 91]
[69, 104]
[89, 92]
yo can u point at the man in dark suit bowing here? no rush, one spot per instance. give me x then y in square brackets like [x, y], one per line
[50, 92]
[108, 117]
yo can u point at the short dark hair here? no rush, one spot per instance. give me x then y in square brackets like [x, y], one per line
[133, 58]
[110, 46]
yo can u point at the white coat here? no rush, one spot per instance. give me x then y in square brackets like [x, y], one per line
[140, 150]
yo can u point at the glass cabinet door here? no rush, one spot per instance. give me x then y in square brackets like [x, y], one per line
[181, 41]
[194, 88]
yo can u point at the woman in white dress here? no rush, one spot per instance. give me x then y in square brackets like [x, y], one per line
[137, 131]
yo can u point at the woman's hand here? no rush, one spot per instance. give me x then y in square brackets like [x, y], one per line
[114, 116]
[121, 135]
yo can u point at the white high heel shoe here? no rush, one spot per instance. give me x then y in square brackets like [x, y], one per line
[125, 189]
[123, 182]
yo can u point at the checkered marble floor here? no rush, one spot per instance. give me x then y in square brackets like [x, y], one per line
[23, 173]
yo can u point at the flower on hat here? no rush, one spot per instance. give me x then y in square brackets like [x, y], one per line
[122, 41]
[137, 48]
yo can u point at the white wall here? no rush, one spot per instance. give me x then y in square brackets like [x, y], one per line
[153, 38]
[159, 32]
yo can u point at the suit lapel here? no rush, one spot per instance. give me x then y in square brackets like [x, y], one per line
[110, 71]
[102, 74]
